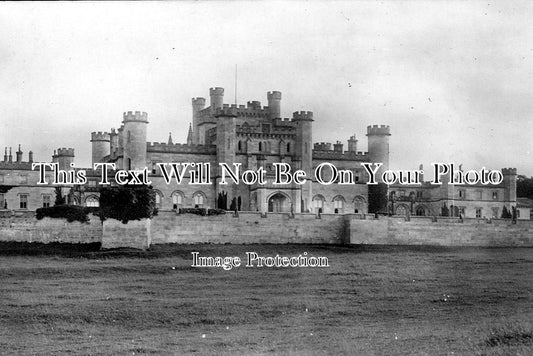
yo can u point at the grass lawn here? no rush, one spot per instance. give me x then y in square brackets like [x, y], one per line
[370, 301]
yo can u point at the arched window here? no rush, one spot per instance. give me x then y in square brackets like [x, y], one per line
[420, 211]
[318, 203]
[260, 146]
[338, 204]
[177, 200]
[198, 199]
[239, 146]
[288, 147]
[92, 201]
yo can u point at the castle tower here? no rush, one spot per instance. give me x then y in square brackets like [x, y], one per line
[19, 155]
[304, 152]
[198, 104]
[30, 157]
[64, 156]
[226, 136]
[101, 146]
[378, 146]
[113, 141]
[274, 101]
[10, 157]
[134, 139]
[5, 155]
[217, 98]
[352, 144]
[509, 183]
[338, 147]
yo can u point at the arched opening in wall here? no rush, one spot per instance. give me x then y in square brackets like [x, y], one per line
[260, 146]
[402, 210]
[420, 211]
[288, 147]
[338, 204]
[199, 199]
[359, 204]
[92, 201]
[177, 200]
[239, 146]
[279, 203]
[318, 203]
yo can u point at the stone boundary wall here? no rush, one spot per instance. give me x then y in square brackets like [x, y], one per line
[275, 228]
[26, 228]
[441, 232]
[248, 227]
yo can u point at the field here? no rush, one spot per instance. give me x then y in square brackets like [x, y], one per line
[370, 301]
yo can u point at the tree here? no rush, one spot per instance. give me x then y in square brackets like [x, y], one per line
[126, 203]
[60, 199]
[506, 214]
[444, 210]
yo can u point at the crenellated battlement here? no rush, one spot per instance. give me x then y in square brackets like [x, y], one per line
[509, 171]
[140, 116]
[198, 101]
[378, 130]
[340, 156]
[68, 152]
[322, 146]
[216, 91]
[226, 112]
[303, 115]
[274, 95]
[179, 148]
[101, 136]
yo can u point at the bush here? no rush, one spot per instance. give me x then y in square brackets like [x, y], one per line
[69, 212]
[201, 211]
[126, 203]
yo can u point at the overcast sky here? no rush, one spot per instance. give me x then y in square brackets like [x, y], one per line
[452, 79]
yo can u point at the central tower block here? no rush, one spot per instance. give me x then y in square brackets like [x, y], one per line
[134, 139]
[304, 153]
[274, 101]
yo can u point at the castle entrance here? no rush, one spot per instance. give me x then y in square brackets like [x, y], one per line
[279, 203]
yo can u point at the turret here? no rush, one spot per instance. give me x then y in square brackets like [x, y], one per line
[304, 152]
[274, 101]
[254, 105]
[198, 104]
[337, 147]
[113, 141]
[101, 146]
[378, 146]
[63, 156]
[5, 155]
[352, 144]
[10, 158]
[217, 97]
[19, 155]
[30, 157]
[134, 139]
[509, 183]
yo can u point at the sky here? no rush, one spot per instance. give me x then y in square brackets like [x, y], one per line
[452, 79]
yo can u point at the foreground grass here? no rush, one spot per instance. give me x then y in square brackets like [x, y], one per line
[371, 301]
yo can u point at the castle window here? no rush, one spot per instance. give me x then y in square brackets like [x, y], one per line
[462, 194]
[338, 204]
[288, 147]
[239, 146]
[198, 200]
[420, 211]
[260, 146]
[177, 200]
[494, 195]
[23, 201]
[129, 137]
[318, 203]
[92, 201]
[478, 212]
[2, 202]
[419, 194]
[46, 200]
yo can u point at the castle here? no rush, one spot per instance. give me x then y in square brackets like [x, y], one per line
[253, 136]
